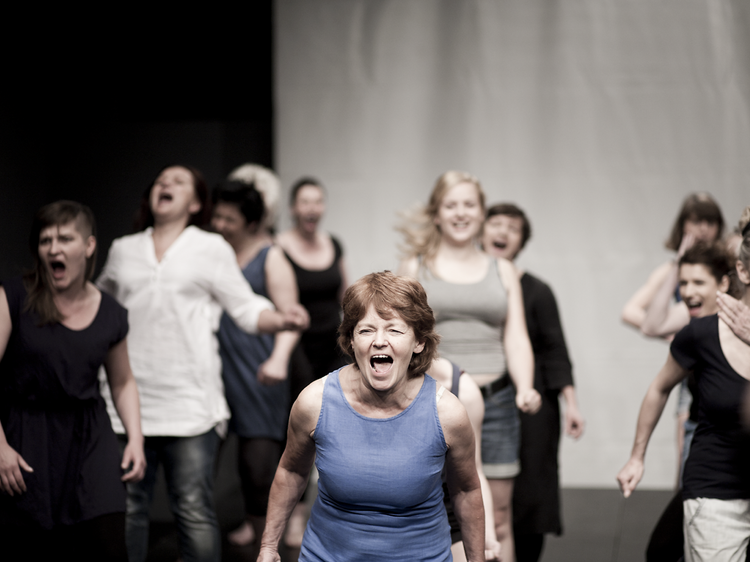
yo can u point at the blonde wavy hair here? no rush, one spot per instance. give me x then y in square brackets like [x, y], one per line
[421, 234]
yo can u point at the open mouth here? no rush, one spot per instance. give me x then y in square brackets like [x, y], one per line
[381, 364]
[165, 197]
[500, 245]
[58, 269]
[694, 308]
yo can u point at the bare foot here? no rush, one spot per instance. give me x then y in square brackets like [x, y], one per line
[242, 535]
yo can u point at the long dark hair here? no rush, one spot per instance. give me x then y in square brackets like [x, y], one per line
[145, 218]
[39, 298]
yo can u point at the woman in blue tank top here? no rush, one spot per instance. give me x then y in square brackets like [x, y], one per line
[380, 432]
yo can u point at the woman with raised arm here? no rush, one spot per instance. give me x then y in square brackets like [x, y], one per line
[536, 495]
[255, 367]
[699, 220]
[175, 279]
[61, 471]
[716, 480]
[380, 432]
[479, 313]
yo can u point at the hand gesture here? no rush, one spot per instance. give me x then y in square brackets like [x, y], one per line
[574, 422]
[133, 462]
[492, 550]
[629, 476]
[296, 318]
[735, 314]
[268, 555]
[528, 401]
[272, 371]
[11, 477]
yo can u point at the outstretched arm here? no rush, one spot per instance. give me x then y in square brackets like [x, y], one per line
[651, 410]
[127, 403]
[662, 318]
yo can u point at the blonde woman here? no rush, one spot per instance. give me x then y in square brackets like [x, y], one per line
[479, 312]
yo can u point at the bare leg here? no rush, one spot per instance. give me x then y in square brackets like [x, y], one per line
[502, 497]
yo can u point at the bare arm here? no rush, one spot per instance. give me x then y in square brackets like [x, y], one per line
[518, 352]
[662, 318]
[651, 410]
[282, 288]
[127, 403]
[634, 311]
[471, 398]
[463, 479]
[294, 469]
[574, 422]
[11, 463]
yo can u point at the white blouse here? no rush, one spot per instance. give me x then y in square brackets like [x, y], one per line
[174, 307]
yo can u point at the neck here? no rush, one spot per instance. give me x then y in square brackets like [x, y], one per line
[170, 228]
[247, 247]
[458, 251]
[307, 236]
[75, 292]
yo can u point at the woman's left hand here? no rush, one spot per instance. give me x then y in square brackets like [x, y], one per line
[272, 371]
[528, 401]
[492, 550]
[133, 461]
[574, 422]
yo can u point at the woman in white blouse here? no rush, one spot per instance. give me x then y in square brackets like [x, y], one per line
[174, 279]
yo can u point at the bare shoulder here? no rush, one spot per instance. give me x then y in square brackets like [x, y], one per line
[409, 267]
[284, 239]
[453, 418]
[442, 371]
[469, 393]
[508, 273]
[306, 409]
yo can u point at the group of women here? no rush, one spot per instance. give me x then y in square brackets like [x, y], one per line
[709, 519]
[384, 433]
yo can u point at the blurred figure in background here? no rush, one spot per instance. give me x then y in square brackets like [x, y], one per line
[536, 495]
[174, 279]
[255, 367]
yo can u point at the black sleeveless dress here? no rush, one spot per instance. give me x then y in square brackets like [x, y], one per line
[54, 416]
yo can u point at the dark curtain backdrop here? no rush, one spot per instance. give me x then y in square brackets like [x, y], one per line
[596, 116]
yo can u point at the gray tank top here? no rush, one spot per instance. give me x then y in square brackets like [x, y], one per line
[470, 319]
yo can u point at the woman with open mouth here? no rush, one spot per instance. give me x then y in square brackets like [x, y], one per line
[380, 432]
[480, 318]
[62, 475]
[175, 279]
[716, 479]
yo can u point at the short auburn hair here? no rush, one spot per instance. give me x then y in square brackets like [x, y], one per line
[391, 295]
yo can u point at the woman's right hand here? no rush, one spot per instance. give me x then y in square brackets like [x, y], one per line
[630, 475]
[11, 463]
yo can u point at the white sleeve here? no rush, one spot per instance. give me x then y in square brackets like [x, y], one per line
[233, 292]
[107, 278]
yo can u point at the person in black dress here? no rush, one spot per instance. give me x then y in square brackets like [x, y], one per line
[62, 475]
[536, 494]
[318, 262]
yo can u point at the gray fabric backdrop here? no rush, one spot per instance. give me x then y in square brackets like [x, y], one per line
[596, 116]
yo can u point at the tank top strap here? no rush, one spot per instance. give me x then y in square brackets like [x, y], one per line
[456, 378]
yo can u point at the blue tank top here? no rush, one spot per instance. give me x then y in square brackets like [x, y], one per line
[379, 493]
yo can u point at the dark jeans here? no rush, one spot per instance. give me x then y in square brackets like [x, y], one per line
[189, 471]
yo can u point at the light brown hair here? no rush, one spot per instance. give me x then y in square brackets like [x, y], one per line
[391, 295]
